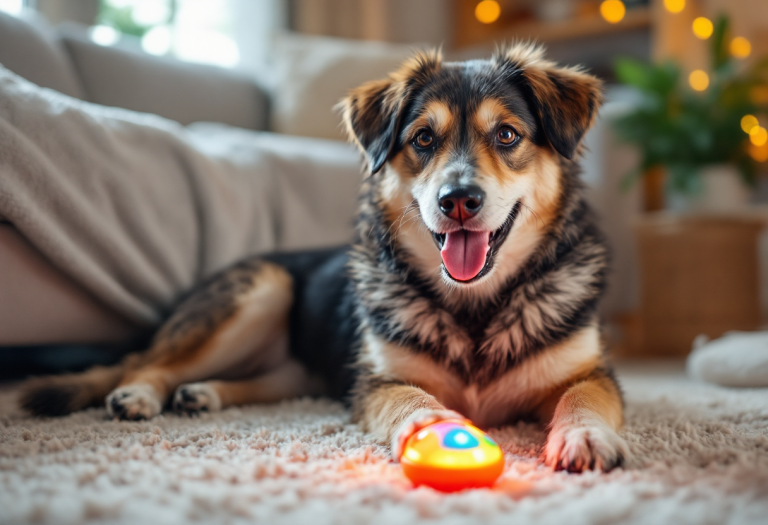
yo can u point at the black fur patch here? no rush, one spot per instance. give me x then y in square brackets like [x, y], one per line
[49, 400]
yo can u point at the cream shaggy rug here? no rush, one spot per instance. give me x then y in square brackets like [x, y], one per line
[700, 455]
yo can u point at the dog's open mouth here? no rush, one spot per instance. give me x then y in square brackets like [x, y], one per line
[468, 255]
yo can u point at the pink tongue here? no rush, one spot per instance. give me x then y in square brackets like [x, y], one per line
[464, 253]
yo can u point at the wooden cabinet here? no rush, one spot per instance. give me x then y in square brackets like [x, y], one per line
[698, 275]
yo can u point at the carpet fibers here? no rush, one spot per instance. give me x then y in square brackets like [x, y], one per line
[699, 455]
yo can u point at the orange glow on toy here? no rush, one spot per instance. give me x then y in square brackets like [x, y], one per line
[451, 456]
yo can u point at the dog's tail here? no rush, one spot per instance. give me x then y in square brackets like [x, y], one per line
[61, 395]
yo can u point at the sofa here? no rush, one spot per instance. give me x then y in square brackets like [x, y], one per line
[228, 112]
[40, 303]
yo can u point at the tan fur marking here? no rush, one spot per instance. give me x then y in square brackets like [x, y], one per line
[545, 199]
[288, 380]
[491, 113]
[436, 115]
[594, 398]
[389, 406]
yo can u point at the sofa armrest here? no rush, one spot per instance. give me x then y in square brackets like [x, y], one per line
[40, 305]
[180, 91]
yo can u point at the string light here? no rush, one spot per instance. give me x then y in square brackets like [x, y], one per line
[613, 11]
[758, 136]
[748, 122]
[740, 47]
[703, 28]
[674, 6]
[488, 11]
[699, 80]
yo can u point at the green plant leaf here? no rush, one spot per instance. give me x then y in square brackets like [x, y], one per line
[684, 130]
[719, 45]
[632, 72]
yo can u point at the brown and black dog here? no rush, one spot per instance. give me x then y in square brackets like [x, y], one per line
[471, 287]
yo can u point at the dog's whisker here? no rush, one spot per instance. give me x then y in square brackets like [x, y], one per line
[538, 217]
[393, 237]
[406, 209]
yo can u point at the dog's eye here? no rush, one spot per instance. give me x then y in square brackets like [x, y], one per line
[506, 136]
[424, 139]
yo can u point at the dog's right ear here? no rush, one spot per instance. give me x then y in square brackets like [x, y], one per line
[372, 113]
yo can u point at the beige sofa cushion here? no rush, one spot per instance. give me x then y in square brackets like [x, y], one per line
[33, 52]
[172, 89]
[317, 184]
[312, 74]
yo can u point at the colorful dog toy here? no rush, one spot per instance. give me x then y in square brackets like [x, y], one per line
[452, 455]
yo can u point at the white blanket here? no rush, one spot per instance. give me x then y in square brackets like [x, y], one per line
[738, 359]
[137, 208]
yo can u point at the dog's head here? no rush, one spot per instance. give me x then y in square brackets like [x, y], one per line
[467, 158]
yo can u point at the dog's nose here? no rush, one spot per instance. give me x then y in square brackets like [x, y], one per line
[460, 202]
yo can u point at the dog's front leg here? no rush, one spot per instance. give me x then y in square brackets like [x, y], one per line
[583, 430]
[393, 411]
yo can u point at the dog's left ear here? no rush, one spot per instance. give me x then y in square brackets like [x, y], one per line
[564, 99]
[372, 113]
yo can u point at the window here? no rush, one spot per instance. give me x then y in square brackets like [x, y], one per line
[191, 30]
[13, 7]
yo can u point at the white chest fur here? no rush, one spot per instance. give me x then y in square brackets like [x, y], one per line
[512, 395]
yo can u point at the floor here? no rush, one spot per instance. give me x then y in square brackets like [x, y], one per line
[699, 455]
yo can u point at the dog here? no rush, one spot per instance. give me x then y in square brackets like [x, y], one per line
[470, 291]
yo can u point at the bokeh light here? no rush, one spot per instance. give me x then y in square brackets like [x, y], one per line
[740, 47]
[674, 6]
[748, 122]
[104, 35]
[703, 28]
[699, 80]
[758, 153]
[488, 11]
[759, 95]
[157, 41]
[613, 11]
[758, 136]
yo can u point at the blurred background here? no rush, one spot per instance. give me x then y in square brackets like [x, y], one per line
[677, 164]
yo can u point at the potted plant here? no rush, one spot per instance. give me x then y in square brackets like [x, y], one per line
[695, 141]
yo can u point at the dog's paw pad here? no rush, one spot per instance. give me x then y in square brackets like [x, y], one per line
[134, 402]
[414, 423]
[578, 448]
[196, 397]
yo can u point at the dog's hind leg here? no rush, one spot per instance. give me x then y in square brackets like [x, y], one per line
[234, 326]
[288, 380]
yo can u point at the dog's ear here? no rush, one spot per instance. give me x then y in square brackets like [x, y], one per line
[372, 113]
[564, 100]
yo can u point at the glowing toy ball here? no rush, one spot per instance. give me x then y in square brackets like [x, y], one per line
[452, 455]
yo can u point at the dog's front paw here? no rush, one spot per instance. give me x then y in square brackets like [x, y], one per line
[577, 448]
[196, 397]
[133, 402]
[414, 423]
